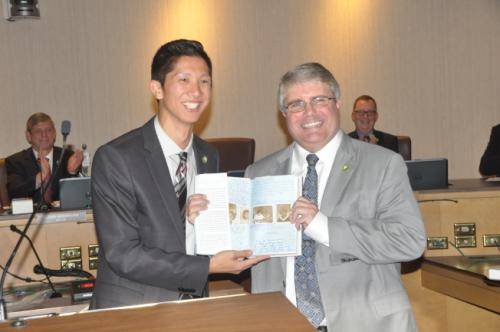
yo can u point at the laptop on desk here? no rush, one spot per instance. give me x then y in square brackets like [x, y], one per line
[75, 193]
[425, 174]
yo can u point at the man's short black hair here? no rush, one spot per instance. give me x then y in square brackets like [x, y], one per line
[167, 55]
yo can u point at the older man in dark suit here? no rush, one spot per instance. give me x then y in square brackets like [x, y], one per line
[140, 182]
[29, 171]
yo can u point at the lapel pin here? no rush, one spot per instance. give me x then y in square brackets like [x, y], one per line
[345, 168]
[204, 159]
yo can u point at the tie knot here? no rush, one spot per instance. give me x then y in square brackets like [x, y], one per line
[183, 156]
[312, 159]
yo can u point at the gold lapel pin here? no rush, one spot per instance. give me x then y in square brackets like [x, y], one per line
[345, 168]
[204, 159]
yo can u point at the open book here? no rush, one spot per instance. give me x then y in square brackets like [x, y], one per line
[248, 214]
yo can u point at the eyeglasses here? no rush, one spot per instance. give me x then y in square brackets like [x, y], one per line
[40, 132]
[298, 106]
[369, 114]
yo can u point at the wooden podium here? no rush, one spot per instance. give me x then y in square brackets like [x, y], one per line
[260, 312]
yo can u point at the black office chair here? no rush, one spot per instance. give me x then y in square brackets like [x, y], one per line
[404, 147]
[235, 153]
[4, 195]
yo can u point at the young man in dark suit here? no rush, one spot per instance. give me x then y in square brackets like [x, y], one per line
[140, 182]
[27, 170]
[364, 115]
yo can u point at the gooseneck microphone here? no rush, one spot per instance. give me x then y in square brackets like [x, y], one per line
[42, 206]
[65, 129]
[54, 294]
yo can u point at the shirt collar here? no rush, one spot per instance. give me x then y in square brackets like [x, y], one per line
[168, 145]
[49, 155]
[361, 135]
[326, 155]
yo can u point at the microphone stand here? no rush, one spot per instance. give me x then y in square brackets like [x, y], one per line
[54, 294]
[42, 207]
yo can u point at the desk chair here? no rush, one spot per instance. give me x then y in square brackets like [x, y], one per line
[404, 147]
[4, 195]
[235, 153]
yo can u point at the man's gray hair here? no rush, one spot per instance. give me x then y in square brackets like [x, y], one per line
[311, 71]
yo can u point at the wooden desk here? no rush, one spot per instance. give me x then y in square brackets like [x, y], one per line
[49, 232]
[465, 201]
[63, 305]
[463, 278]
[261, 312]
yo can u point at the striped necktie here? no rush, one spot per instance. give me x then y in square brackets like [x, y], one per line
[180, 185]
[46, 188]
[306, 281]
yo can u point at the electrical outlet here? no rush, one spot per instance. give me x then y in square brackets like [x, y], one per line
[93, 250]
[464, 229]
[93, 263]
[491, 240]
[437, 242]
[71, 264]
[465, 241]
[68, 253]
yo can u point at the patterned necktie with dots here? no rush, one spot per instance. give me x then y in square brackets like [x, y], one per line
[180, 185]
[306, 280]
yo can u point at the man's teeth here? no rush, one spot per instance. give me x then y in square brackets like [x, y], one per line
[311, 124]
[191, 106]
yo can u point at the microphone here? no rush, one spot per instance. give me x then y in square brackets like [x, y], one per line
[65, 129]
[14, 229]
[38, 269]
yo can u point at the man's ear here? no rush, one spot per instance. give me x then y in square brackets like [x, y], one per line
[338, 103]
[156, 89]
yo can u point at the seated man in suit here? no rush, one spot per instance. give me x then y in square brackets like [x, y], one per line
[357, 210]
[490, 161]
[29, 171]
[140, 182]
[364, 115]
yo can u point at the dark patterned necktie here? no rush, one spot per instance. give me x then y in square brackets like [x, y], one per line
[180, 185]
[306, 280]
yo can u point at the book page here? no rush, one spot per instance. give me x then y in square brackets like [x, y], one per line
[271, 229]
[239, 190]
[212, 231]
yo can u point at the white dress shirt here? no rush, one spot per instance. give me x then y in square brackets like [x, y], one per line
[170, 151]
[318, 228]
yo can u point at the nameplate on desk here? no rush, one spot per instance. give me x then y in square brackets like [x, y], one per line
[61, 216]
[22, 205]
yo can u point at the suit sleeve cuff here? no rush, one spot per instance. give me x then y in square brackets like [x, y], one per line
[318, 229]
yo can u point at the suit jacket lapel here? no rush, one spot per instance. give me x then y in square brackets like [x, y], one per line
[30, 159]
[205, 162]
[158, 168]
[343, 167]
